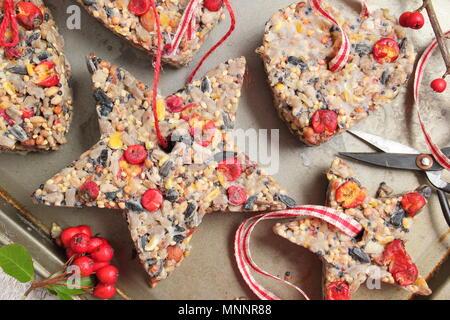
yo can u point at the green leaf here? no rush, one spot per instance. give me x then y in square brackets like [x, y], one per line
[63, 296]
[16, 261]
[65, 290]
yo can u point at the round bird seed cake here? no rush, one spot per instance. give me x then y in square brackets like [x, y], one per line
[317, 103]
[35, 94]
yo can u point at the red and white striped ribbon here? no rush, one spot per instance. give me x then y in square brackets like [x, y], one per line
[440, 157]
[185, 27]
[339, 61]
[242, 252]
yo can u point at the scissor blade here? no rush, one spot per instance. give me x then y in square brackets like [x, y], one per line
[383, 144]
[390, 160]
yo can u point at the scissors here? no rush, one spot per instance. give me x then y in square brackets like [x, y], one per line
[399, 156]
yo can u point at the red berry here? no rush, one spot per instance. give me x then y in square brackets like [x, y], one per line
[103, 253]
[416, 20]
[237, 195]
[174, 103]
[438, 85]
[338, 290]
[202, 130]
[403, 20]
[386, 50]
[108, 274]
[139, 7]
[231, 168]
[104, 291]
[99, 265]
[95, 242]
[70, 253]
[152, 199]
[89, 191]
[68, 234]
[413, 202]
[29, 16]
[12, 53]
[399, 263]
[350, 195]
[45, 74]
[85, 264]
[86, 230]
[324, 121]
[27, 113]
[136, 154]
[79, 243]
[213, 5]
[174, 253]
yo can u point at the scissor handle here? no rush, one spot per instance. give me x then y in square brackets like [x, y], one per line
[444, 205]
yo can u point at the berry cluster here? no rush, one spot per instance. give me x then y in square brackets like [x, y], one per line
[415, 20]
[91, 255]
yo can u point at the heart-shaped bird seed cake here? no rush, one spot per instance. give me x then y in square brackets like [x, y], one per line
[318, 103]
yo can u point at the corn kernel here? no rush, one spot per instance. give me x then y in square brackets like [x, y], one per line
[115, 142]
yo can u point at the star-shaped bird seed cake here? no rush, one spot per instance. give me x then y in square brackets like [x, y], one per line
[134, 21]
[378, 253]
[165, 193]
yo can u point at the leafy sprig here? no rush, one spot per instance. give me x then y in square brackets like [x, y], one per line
[16, 261]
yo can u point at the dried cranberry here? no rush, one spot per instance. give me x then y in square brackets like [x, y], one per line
[139, 7]
[338, 290]
[399, 263]
[174, 103]
[27, 113]
[237, 195]
[45, 74]
[231, 168]
[350, 195]
[9, 121]
[203, 131]
[104, 291]
[413, 202]
[85, 264]
[152, 199]
[12, 53]
[29, 16]
[89, 191]
[386, 50]
[136, 154]
[213, 5]
[324, 121]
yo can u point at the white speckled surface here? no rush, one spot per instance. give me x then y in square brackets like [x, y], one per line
[210, 272]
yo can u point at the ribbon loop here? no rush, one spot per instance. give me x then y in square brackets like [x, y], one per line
[342, 221]
[440, 157]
